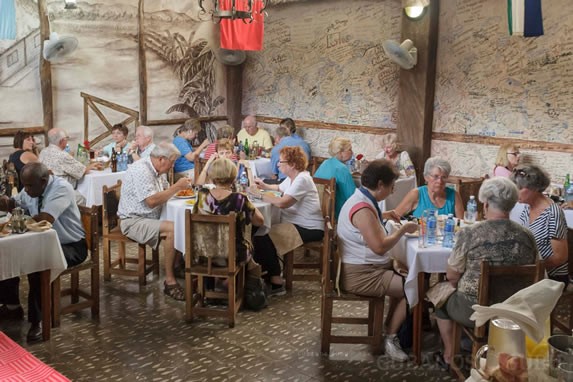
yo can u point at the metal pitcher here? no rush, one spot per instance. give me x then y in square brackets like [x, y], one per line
[560, 351]
[18, 222]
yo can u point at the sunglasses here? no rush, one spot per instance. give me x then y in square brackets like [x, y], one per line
[519, 172]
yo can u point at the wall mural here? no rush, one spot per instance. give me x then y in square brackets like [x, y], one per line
[175, 61]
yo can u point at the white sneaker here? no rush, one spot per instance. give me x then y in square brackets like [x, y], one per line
[393, 349]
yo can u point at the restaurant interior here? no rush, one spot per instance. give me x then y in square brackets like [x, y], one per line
[452, 81]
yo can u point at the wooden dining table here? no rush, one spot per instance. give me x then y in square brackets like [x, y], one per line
[431, 259]
[45, 255]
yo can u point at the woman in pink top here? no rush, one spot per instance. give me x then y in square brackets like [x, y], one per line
[507, 159]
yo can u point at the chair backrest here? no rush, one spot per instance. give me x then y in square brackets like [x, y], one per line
[199, 165]
[89, 216]
[467, 187]
[110, 200]
[329, 259]
[326, 194]
[516, 277]
[210, 239]
[315, 163]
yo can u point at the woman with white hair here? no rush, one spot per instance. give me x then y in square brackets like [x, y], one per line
[496, 239]
[435, 195]
[341, 151]
[400, 159]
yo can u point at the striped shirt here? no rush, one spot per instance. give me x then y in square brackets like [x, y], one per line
[549, 225]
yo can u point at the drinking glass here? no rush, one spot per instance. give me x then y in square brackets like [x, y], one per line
[565, 372]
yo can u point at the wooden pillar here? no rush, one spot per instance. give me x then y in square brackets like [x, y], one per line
[45, 70]
[416, 90]
[234, 95]
[142, 64]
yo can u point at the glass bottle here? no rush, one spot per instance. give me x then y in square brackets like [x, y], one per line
[113, 160]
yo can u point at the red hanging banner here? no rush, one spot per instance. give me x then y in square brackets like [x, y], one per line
[238, 34]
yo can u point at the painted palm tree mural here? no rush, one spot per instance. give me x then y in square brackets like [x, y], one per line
[193, 61]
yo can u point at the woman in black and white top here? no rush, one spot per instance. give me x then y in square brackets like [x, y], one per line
[544, 219]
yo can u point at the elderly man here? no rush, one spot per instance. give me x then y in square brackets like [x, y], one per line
[61, 163]
[44, 197]
[285, 135]
[143, 195]
[251, 132]
[143, 144]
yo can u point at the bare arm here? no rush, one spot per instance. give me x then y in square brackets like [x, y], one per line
[163, 196]
[28, 156]
[262, 185]
[258, 218]
[192, 155]
[376, 239]
[203, 175]
[284, 201]
[560, 253]
[453, 276]
[409, 203]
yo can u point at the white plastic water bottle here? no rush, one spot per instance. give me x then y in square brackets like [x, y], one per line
[449, 228]
[472, 210]
[67, 149]
[244, 181]
[431, 227]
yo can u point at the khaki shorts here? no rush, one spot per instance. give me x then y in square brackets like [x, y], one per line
[141, 230]
[184, 174]
[370, 280]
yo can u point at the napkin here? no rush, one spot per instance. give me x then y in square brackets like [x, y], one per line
[285, 237]
[40, 226]
[529, 308]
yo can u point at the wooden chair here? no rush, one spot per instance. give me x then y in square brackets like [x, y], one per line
[565, 303]
[520, 276]
[111, 232]
[327, 196]
[90, 299]
[199, 165]
[467, 187]
[331, 293]
[201, 234]
[314, 164]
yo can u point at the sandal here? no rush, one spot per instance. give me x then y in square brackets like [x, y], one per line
[175, 291]
[439, 359]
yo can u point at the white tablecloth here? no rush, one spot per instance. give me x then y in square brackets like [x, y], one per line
[174, 211]
[91, 185]
[401, 188]
[43, 252]
[516, 211]
[429, 260]
[261, 168]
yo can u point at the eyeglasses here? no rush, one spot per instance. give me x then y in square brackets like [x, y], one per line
[283, 161]
[439, 177]
[515, 153]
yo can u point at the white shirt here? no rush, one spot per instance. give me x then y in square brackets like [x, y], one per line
[306, 211]
[141, 181]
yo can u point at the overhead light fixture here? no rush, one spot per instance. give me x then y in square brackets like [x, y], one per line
[415, 9]
[233, 9]
[70, 4]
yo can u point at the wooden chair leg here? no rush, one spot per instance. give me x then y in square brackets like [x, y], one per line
[141, 264]
[56, 303]
[122, 261]
[378, 326]
[326, 326]
[106, 260]
[94, 273]
[456, 338]
[75, 286]
[371, 318]
[155, 261]
[231, 290]
[288, 269]
[189, 291]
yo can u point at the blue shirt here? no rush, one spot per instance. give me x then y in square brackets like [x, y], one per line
[287, 141]
[60, 202]
[345, 187]
[182, 164]
[424, 202]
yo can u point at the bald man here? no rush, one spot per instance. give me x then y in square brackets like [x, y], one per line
[44, 197]
[251, 132]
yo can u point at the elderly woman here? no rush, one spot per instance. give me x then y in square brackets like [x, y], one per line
[544, 219]
[225, 150]
[435, 195]
[119, 134]
[401, 160]
[26, 152]
[222, 201]
[299, 205]
[364, 243]
[507, 159]
[185, 165]
[496, 239]
[341, 151]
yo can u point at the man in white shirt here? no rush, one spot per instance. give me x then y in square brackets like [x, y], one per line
[143, 144]
[251, 132]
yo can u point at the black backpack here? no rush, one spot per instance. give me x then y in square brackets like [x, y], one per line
[255, 294]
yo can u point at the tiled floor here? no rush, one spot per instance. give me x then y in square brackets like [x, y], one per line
[142, 336]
